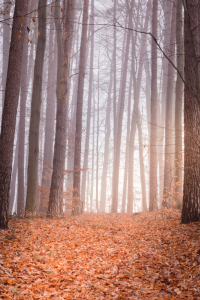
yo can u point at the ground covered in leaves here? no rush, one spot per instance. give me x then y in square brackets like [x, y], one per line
[108, 256]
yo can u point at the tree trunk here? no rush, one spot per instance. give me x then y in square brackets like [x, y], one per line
[6, 41]
[168, 169]
[15, 170]
[167, 10]
[137, 87]
[32, 183]
[142, 171]
[55, 206]
[10, 109]
[116, 163]
[102, 207]
[49, 127]
[85, 162]
[191, 188]
[21, 152]
[76, 205]
[153, 201]
[127, 141]
[178, 108]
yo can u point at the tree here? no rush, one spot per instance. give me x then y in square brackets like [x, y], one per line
[10, 107]
[21, 143]
[49, 126]
[76, 205]
[153, 205]
[87, 139]
[178, 106]
[6, 41]
[55, 206]
[191, 187]
[32, 183]
[168, 169]
[120, 111]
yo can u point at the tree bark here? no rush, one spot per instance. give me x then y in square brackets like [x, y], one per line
[24, 92]
[76, 205]
[191, 188]
[6, 41]
[49, 126]
[153, 201]
[10, 109]
[55, 206]
[179, 107]
[87, 139]
[32, 182]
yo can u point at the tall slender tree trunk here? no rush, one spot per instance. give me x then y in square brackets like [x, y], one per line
[32, 183]
[55, 206]
[178, 107]
[10, 109]
[116, 162]
[168, 169]
[137, 87]
[49, 127]
[85, 162]
[142, 170]
[127, 142]
[153, 200]
[15, 171]
[59, 44]
[21, 150]
[167, 10]
[6, 41]
[92, 179]
[77, 206]
[102, 206]
[191, 188]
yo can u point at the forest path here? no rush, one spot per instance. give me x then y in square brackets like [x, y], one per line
[106, 256]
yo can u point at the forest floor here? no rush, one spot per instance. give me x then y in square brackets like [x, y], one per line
[106, 256]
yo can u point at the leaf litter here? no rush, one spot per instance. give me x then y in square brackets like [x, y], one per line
[105, 256]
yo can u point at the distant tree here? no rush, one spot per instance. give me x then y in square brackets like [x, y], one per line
[169, 124]
[10, 107]
[191, 188]
[119, 118]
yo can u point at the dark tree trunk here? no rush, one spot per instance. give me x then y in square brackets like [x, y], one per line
[76, 205]
[153, 200]
[55, 206]
[49, 126]
[191, 188]
[6, 41]
[14, 177]
[32, 183]
[10, 109]
[178, 108]
[21, 153]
